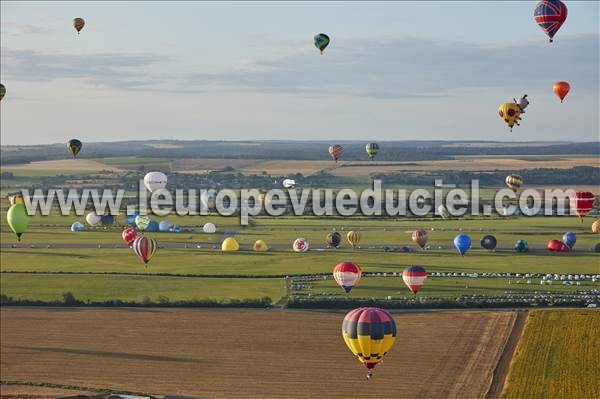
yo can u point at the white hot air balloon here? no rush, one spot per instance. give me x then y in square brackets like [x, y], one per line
[289, 183]
[209, 228]
[92, 219]
[300, 245]
[155, 181]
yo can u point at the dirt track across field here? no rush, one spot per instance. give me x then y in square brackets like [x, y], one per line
[249, 353]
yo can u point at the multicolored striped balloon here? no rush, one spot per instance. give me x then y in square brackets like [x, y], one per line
[514, 182]
[369, 333]
[336, 151]
[372, 150]
[347, 275]
[353, 238]
[144, 248]
[420, 237]
[414, 277]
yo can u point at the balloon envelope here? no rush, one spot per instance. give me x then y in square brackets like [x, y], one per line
[414, 277]
[353, 238]
[2, 91]
[557, 246]
[230, 244]
[77, 226]
[336, 151]
[521, 246]
[209, 228]
[155, 181]
[462, 243]
[74, 146]
[372, 149]
[260, 246]
[129, 235]
[142, 222]
[17, 219]
[420, 237]
[333, 239]
[489, 242]
[510, 113]
[144, 248]
[92, 219]
[107, 220]
[321, 41]
[78, 24]
[165, 225]
[347, 275]
[550, 15]
[152, 226]
[561, 89]
[570, 239]
[514, 182]
[596, 226]
[300, 245]
[369, 333]
[581, 203]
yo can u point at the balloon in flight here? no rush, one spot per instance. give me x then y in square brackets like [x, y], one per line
[372, 150]
[289, 183]
[462, 243]
[144, 248]
[514, 182]
[78, 24]
[570, 239]
[17, 219]
[550, 15]
[142, 222]
[414, 277]
[321, 41]
[2, 91]
[561, 89]
[16, 199]
[443, 212]
[420, 237]
[74, 146]
[369, 333]
[336, 151]
[510, 113]
[581, 203]
[129, 235]
[353, 238]
[347, 275]
[155, 181]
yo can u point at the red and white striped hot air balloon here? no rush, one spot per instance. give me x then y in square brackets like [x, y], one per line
[414, 277]
[347, 275]
[336, 151]
[582, 202]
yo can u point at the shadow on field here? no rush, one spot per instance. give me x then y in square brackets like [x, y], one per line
[116, 355]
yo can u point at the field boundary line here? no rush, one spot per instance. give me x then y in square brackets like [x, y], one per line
[71, 387]
[502, 368]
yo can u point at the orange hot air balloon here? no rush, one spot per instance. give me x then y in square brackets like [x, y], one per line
[561, 89]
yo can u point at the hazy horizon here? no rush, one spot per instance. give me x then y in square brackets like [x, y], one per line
[249, 72]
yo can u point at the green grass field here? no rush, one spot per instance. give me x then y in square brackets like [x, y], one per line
[557, 357]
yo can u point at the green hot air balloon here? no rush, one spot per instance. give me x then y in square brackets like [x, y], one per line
[18, 219]
[142, 222]
[74, 146]
[321, 41]
[372, 149]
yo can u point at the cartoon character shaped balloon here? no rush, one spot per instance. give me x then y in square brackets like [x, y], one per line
[510, 113]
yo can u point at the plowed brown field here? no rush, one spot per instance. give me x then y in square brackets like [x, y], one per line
[249, 353]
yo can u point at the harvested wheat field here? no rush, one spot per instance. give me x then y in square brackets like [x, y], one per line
[249, 353]
[87, 165]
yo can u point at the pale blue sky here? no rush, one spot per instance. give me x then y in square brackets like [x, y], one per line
[201, 70]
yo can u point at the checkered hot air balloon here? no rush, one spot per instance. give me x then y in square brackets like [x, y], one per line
[369, 333]
[347, 275]
[414, 277]
[514, 182]
[144, 248]
[336, 151]
[550, 15]
[582, 202]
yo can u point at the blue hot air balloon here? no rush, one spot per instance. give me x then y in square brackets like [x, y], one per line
[570, 239]
[165, 225]
[107, 220]
[131, 218]
[77, 226]
[176, 229]
[152, 226]
[462, 243]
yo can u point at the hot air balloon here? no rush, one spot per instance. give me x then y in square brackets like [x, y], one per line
[521, 246]
[557, 246]
[131, 218]
[353, 238]
[333, 239]
[582, 202]
[300, 245]
[107, 220]
[596, 247]
[165, 225]
[155, 181]
[152, 226]
[289, 183]
[74, 146]
[444, 213]
[129, 235]
[336, 151]
[144, 248]
[209, 228]
[372, 150]
[561, 89]
[260, 246]
[16, 199]
[2, 91]
[230, 244]
[462, 243]
[142, 222]
[77, 226]
[510, 113]
[17, 219]
[596, 226]
[489, 242]
[321, 42]
[570, 239]
[420, 237]
[514, 182]
[550, 15]
[78, 24]
[347, 275]
[414, 277]
[93, 219]
[369, 333]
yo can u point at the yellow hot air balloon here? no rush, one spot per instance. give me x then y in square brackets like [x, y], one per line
[16, 199]
[510, 113]
[230, 244]
[260, 246]
[596, 226]
[353, 238]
